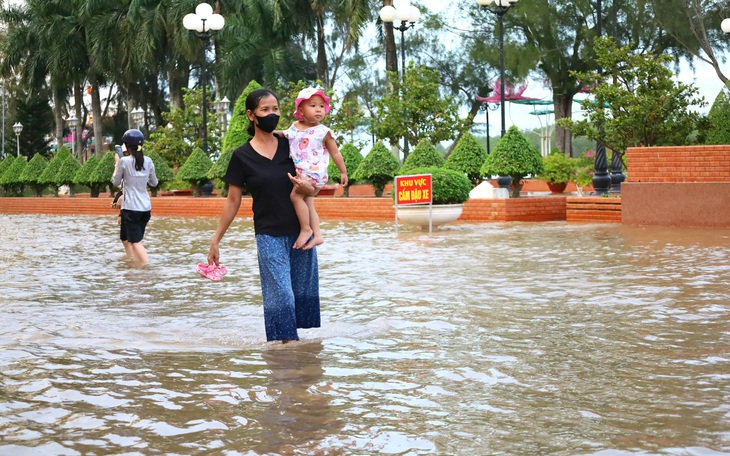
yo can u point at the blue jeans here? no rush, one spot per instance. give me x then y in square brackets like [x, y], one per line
[290, 286]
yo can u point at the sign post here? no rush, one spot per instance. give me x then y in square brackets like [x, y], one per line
[413, 189]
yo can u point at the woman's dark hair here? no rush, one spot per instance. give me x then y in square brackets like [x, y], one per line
[252, 103]
[136, 152]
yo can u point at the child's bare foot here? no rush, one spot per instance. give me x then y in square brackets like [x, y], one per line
[303, 237]
[313, 242]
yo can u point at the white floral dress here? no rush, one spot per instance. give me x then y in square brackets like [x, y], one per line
[307, 150]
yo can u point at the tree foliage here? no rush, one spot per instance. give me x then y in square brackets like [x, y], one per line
[378, 168]
[557, 168]
[514, 156]
[416, 110]
[184, 131]
[468, 157]
[637, 102]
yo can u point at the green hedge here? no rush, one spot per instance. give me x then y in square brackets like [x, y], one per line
[32, 173]
[448, 186]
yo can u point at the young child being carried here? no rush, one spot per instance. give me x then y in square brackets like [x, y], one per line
[311, 145]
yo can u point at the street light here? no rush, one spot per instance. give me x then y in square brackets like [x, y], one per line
[17, 128]
[500, 9]
[725, 25]
[408, 16]
[138, 116]
[204, 23]
[72, 123]
[221, 107]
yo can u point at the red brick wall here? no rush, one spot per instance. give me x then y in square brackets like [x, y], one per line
[678, 164]
[364, 208]
[593, 209]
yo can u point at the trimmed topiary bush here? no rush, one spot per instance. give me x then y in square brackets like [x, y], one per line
[378, 168]
[236, 134]
[32, 173]
[49, 174]
[102, 173]
[195, 170]
[448, 186]
[162, 171]
[719, 117]
[353, 158]
[425, 154]
[67, 172]
[4, 165]
[10, 180]
[467, 157]
[219, 168]
[513, 156]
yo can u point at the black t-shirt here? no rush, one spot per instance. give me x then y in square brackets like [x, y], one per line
[267, 182]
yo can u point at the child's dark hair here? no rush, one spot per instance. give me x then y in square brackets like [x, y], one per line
[252, 102]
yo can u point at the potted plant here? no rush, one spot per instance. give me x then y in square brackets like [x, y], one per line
[513, 156]
[378, 168]
[450, 189]
[558, 170]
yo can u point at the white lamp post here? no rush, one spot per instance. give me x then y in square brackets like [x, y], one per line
[221, 107]
[408, 15]
[138, 116]
[204, 23]
[17, 128]
[72, 123]
[725, 25]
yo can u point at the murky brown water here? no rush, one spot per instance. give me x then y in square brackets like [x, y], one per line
[477, 339]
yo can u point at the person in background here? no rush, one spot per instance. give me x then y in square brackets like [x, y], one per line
[135, 172]
[289, 276]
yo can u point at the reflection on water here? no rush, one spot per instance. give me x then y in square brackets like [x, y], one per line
[477, 339]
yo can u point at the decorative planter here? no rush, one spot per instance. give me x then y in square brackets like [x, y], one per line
[418, 215]
[557, 187]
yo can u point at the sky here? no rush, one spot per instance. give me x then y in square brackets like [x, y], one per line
[704, 77]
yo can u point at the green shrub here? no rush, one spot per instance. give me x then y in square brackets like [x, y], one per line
[236, 134]
[468, 157]
[4, 165]
[719, 118]
[49, 174]
[195, 169]
[352, 157]
[424, 154]
[557, 168]
[219, 168]
[162, 171]
[513, 156]
[447, 185]
[32, 173]
[67, 172]
[10, 180]
[378, 168]
[102, 173]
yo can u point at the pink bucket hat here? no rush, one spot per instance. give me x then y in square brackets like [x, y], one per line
[306, 94]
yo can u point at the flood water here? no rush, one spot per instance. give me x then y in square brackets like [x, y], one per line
[501, 338]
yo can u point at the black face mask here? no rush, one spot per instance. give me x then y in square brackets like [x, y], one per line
[268, 123]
